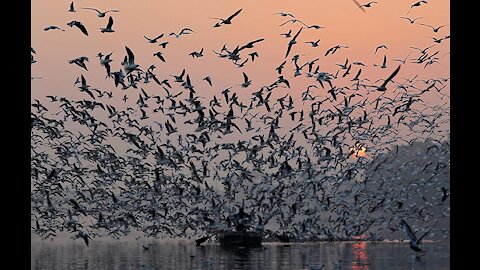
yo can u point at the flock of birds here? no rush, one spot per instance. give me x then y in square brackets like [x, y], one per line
[177, 165]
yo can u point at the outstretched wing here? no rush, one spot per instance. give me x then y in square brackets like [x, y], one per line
[131, 57]
[233, 15]
[408, 231]
[391, 76]
[82, 28]
[110, 22]
[245, 77]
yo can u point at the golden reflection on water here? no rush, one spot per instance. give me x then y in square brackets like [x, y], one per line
[360, 257]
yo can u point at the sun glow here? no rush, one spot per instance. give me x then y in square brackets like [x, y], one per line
[358, 150]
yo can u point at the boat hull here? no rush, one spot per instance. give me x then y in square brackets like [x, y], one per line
[246, 239]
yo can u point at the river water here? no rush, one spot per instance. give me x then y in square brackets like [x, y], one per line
[185, 255]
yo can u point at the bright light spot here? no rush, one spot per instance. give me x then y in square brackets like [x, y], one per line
[358, 150]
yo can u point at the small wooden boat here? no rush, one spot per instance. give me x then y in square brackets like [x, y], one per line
[244, 239]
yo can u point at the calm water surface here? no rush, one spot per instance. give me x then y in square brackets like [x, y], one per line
[183, 255]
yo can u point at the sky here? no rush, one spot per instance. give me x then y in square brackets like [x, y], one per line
[344, 24]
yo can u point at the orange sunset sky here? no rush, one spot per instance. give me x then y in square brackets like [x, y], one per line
[361, 31]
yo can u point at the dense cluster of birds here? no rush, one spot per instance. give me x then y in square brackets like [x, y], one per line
[323, 167]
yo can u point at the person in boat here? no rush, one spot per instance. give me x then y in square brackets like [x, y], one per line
[241, 219]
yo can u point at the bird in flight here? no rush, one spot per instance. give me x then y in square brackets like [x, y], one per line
[72, 8]
[412, 21]
[367, 5]
[435, 29]
[383, 87]
[380, 47]
[283, 14]
[184, 31]
[292, 42]
[79, 25]
[108, 28]
[102, 14]
[417, 4]
[227, 20]
[414, 241]
[153, 40]
[53, 27]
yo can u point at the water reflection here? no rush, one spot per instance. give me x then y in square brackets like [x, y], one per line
[178, 255]
[360, 256]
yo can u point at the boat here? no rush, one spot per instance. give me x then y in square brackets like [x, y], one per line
[243, 239]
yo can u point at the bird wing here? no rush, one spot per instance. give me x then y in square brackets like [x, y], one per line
[408, 231]
[131, 57]
[288, 49]
[82, 28]
[298, 33]
[93, 9]
[233, 15]
[160, 36]
[245, 77]
[391, 76]
[110, 22]
[359, 5]
[421, 237]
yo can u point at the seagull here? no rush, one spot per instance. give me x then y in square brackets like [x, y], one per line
[282, 65]
[292, 42]
[253, 55]
[79, 25]
[52, 27]
[159, 55]
[283, 14]
[154, 40]
[288, 34]
[102, 14]
[314, 43]
[163, 44]
[293, 21]
[130, 63]
[369, 4]
[379, 47]
[435, 29]
[383, 87]
[105, 61]
[417, 4]
[412, 21]
[196, 54]
[208, 79]
[384, 63]
[108, 28]
[72, 8]
[316, 26]
[228, 20]
[414, 241]
[184, 31]
[246, 81]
